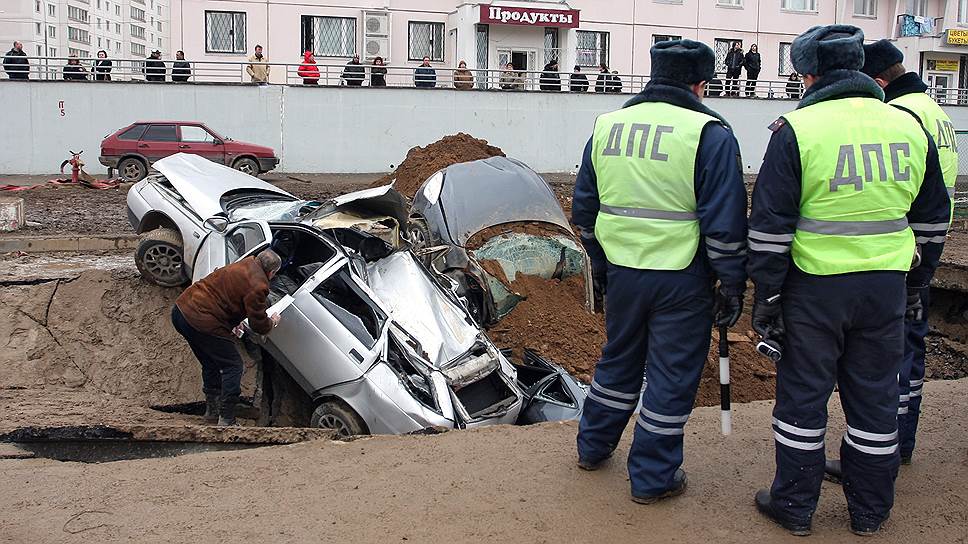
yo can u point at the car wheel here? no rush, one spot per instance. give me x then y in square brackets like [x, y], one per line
[159, 258]
[340, 418]
[132, 169]
[246, 166]
[419, 234]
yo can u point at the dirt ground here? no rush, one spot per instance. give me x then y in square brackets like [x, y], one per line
[499, 484]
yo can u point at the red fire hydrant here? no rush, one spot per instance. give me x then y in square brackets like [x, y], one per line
[76, 165]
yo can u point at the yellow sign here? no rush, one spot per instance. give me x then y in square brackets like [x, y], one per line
[956, 37]
[946, 65]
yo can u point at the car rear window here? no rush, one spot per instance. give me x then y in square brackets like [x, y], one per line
[160, 133]
[133, 133]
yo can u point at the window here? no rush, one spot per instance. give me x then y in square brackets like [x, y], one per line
[329, 36]
[426, 40]
[224, 32]
[730, 3]
[51, 51]
[918, 8]
[98, 4]
[551, 51]
[117, 28]
[865, 8]
[117, 47]
[99, 43]
[240, 240]
[592, 48]
[159, 26]
[161, 133]
[108, 43]
[37, 6]
[77, 14]
[799, 5]
[137, 49]
[52, 10]
[81, 53]
[39, 28]
[722, 47]
[786, 62]
[78, 35]
[195, 134]
[137, 14]
[963, 11]
[117, 10]
[344, 299]
[138, 32]
[40, 50]
[51, 31]
[656, 38]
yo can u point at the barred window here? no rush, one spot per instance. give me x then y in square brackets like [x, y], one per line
[592, 48]
[426, 40]
[799, 5]
[786, 63]
[722, 48]
[551, 51]
[656, 38]
[224, 32]
[329, 36]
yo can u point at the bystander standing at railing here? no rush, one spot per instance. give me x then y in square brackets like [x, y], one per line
[308, 70]
[511, 80]
[102, 67]
[354, 73]
[550, 79]
[155, 69]
[463, 78]
[425, 76]
[578, 82]
[258, 68]
[15, 62]
[378, 73]
[181, 70]
[73, 71]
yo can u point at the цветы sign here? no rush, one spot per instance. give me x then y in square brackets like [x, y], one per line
[500, 15]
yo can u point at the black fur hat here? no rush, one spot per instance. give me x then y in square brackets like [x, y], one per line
[685, 61]
[825, 48]
[879, 56]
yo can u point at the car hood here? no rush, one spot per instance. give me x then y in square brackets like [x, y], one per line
[376, 201]
[203, 183]
[443, 329]
[488, 192]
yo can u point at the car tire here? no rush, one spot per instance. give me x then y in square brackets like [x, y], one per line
[132, 169]
[336, 415]
[160, 259]
[246, 166]
[419, 234]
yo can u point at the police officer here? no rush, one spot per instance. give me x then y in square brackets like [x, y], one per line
[661, 208]
[905, 90]
[846, 186]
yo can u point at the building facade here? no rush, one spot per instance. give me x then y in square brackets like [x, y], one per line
[59, 28]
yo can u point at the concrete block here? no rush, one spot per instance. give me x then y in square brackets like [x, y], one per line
[11, 213]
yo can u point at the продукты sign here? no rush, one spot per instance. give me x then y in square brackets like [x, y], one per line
[501, 15]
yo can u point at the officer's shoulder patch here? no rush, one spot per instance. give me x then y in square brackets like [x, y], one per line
[778, 124]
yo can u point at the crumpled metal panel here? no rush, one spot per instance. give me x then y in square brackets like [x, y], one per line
[414, 302]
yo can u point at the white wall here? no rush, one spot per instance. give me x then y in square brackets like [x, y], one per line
[334, 129]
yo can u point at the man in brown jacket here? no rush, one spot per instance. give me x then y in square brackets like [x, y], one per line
[208, 312]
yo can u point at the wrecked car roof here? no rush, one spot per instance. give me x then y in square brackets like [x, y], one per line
[203, 183]
[488, 192]
[383, 200]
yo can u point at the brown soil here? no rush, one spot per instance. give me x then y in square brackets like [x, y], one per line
[523, 227]
[423, 162]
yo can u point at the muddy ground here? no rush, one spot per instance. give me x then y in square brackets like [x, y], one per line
[500, 484]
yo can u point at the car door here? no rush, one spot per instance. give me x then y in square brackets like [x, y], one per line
[239, 240]
[159, 141]
[196, 140]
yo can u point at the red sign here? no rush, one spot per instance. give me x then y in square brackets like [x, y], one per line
[500, 15]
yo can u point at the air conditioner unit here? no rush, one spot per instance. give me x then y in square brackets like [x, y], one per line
[376, 47]
[376, 24]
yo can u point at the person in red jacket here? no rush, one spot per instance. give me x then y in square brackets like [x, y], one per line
[307, 70]
[209, 313]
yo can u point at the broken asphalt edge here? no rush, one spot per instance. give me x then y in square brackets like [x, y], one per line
[51, 244]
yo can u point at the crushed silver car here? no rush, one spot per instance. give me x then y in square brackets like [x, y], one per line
[376, 344]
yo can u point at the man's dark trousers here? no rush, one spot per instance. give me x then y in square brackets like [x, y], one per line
[665, 318]
[847, 330]
[221, 362]
[911, 378]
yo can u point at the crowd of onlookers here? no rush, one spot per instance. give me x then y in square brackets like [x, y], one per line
[355, 73]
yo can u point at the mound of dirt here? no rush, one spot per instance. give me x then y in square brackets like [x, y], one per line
[552, 321]
[105, 332]
[423, 162]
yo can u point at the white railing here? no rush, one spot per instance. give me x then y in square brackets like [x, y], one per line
[330, 74]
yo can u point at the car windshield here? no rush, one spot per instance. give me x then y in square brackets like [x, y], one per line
[268, 208]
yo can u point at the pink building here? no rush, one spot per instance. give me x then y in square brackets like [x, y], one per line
[583, 32]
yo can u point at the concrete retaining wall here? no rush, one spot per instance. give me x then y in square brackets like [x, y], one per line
[333, 129]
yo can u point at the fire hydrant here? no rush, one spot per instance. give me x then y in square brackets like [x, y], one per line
[76, 165]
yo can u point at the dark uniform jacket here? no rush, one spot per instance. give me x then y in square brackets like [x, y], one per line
[220, 301]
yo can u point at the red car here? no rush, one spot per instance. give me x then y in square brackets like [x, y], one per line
[132, 149]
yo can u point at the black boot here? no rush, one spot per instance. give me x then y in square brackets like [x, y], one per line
[832, 471]
[764, 503]
[678, 487]
[211, 407]
[226, 414]
[866, 528]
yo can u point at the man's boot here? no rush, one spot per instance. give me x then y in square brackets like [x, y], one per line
[211, 407]
[226, 415]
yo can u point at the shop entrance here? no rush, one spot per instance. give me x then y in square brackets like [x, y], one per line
[940, 83]
[522, 59]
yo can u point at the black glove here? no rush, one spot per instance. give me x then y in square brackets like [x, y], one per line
[599, 287]
[914, 311]
[728, 308]
[768, 318]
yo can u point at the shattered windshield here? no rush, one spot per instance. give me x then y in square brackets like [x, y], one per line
[272, 210]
